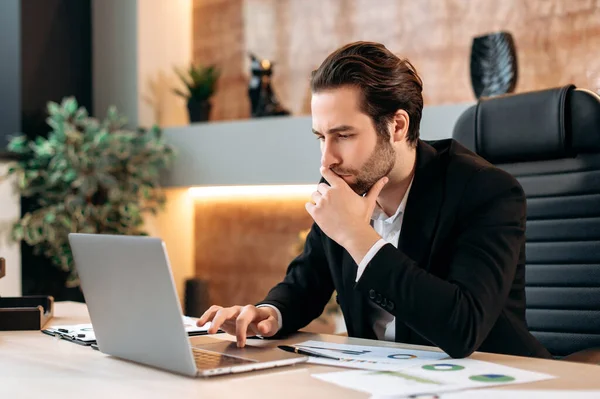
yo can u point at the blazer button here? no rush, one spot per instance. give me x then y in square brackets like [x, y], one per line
[378, 299]
[390, 306]
[372, 294]
[384, 302]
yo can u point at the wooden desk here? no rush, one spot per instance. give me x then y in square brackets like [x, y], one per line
[36, 365]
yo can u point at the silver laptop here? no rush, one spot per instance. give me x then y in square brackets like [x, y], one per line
[135, 312]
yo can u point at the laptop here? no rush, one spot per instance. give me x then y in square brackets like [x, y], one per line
[136, 315]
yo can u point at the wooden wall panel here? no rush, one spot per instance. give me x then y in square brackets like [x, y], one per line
[243, 246]
[557, 41]
[218, 37]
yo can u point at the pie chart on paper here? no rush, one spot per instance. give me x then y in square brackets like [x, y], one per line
[401, 356]
[443, 367]
[492, 378]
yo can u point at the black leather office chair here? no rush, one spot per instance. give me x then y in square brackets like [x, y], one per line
[550, 141]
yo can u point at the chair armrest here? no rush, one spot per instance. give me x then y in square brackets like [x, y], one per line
[591, 355]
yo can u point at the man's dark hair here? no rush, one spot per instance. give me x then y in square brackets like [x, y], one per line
[387, 83]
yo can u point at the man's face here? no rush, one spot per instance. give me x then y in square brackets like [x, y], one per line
[350, 146]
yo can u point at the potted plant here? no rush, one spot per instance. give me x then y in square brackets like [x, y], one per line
[200, 82]
[87, 176]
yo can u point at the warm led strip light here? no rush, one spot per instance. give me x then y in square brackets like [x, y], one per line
[252, 191]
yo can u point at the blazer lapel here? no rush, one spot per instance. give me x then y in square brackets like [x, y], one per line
[420, 216]
[423, 206]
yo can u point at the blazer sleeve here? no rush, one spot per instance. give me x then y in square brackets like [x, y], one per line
[456, 314]
[306, 287]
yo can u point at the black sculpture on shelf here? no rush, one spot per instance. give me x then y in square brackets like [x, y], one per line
[493, 64]
[263, 101]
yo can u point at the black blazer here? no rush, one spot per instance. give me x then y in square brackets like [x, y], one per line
[457, 279]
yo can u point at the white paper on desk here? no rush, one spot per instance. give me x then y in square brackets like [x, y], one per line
[434, 377]
[73, 330]
[521, 394]
[87, 332]
[369, 357]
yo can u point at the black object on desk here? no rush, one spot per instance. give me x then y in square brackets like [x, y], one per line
[305, 352]
[24, 313]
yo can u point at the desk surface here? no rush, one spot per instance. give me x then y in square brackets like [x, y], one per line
[33, 364]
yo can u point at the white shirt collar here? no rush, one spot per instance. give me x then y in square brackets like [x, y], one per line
[379, 214]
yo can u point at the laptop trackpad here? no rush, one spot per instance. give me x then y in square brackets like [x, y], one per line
[254, 353]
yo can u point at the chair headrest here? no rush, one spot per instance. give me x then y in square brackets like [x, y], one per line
[539, 125]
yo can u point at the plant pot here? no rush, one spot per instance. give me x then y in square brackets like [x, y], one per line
[199, 111]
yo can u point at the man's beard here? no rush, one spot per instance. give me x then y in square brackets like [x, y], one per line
[379, 164]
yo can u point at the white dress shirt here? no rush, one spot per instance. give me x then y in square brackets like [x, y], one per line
[389, 228]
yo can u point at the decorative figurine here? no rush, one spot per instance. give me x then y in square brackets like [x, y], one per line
[263, 101]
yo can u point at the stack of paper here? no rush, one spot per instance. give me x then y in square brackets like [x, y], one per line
[83, 334]
[435, 377]
[394, 372]
[368, 357]
[521, 394]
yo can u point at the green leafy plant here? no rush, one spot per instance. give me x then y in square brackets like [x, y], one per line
[88, 176]
[200, 82]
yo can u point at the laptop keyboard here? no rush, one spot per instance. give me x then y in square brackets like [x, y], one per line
[210, 360]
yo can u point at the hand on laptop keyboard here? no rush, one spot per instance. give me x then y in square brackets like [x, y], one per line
[241, 321]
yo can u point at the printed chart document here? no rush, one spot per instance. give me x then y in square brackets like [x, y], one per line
[432, 378]
[369, 357]
[521, 394]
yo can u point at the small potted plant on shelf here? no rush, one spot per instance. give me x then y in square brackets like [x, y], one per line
[200, 82]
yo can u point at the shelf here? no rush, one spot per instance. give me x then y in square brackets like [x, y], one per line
[266, 151]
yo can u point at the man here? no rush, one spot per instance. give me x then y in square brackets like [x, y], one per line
[424, 243]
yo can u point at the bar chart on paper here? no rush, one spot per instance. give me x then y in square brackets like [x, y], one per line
[369, 357]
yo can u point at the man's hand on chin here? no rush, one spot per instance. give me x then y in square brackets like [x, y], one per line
[344, 215]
